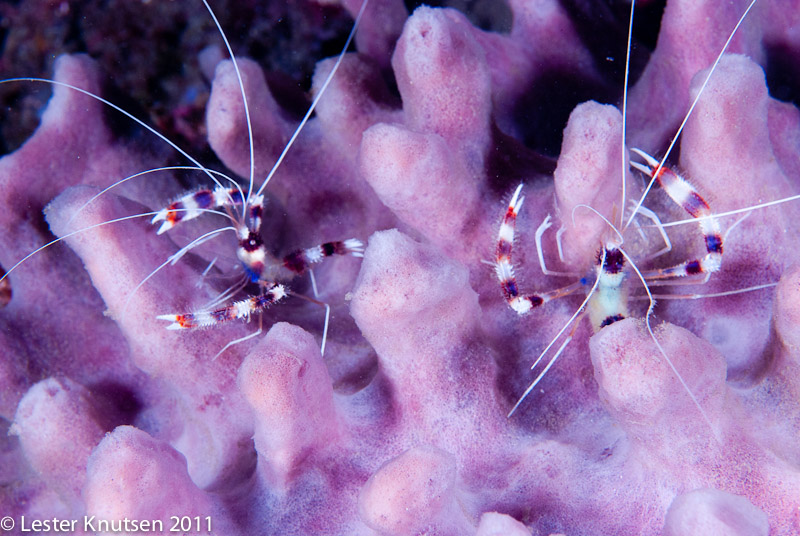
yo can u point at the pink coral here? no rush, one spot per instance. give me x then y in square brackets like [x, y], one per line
[401, 428]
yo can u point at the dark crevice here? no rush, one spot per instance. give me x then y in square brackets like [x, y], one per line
[510, 162]
[115, 404]
[603, 30]
[783, 72]
[541, 114]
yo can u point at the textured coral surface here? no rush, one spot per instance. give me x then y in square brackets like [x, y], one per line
[401, 427]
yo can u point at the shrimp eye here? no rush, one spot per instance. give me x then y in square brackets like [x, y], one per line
[252, 242]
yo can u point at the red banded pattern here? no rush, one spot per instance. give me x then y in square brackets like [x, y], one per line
[193, 204]
[272, 294]
[684, 194]
[504, 269]
[299, 261]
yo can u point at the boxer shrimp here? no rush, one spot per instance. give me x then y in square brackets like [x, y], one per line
[616, 272]
[242, 206]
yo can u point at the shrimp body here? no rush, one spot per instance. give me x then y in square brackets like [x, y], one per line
[609, 303]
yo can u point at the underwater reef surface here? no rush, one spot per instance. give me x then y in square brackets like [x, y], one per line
[401, 427]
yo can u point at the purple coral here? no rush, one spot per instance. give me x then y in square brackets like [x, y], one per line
[401, 428]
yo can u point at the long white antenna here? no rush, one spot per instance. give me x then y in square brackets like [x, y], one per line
[123, 112]
[623, 148]
[689, 113]
[663, 352]
[316, 99]
[246, 108]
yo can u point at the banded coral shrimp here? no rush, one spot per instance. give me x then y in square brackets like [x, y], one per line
[737, 283]
[642, 421]
[118, 258]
